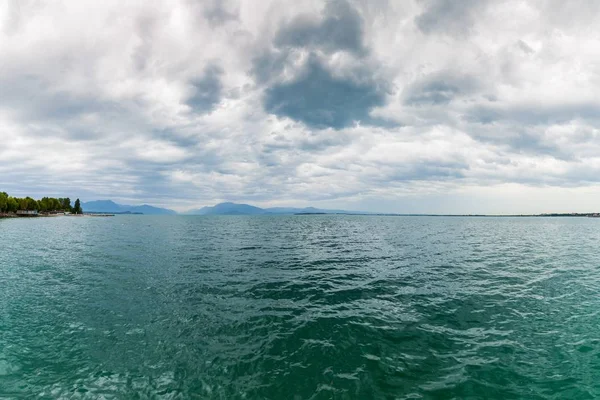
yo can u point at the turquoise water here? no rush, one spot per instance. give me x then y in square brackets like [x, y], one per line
[299, 307]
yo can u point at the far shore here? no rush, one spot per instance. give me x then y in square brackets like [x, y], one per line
[99, 214]
[51, 215]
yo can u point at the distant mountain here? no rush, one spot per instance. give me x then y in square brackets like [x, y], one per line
[246, 209]
[150, 210]
[289, 210]
[228, 209]
[308, 210]
[109, 206]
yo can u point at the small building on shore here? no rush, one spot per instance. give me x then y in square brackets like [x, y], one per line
[56, 213]
[27, 213]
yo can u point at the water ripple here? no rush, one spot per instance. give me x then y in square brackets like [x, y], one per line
[303, 307]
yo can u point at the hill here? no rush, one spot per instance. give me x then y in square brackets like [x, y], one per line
[109, 206]
[247, 209]
[228, 209]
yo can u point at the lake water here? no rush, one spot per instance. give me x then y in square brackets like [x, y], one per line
[299, 307]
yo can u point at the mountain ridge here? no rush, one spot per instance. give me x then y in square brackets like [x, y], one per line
[109, 206]
[229, 208]
[225, 208]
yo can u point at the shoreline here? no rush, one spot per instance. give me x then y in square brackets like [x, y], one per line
[14, 215]
[552, 215]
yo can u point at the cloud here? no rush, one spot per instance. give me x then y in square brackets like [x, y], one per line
[320, 99]
[447, 16]
[531, 114]
[339, 28]
[439, 89]
[207, 90]
[319, 70]
[381, 105]
[219, 12]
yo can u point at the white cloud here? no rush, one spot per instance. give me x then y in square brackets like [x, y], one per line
[186, 103]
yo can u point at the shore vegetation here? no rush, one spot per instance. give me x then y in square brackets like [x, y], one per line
[10, 204]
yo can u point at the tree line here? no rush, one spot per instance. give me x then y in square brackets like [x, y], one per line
[10, 204]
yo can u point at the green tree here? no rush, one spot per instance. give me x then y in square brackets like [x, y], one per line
[22, 203]
[77, 208]
[46, 204]
[31, 204]
[42, 204]
[12, 205]
[3, 201]
[53, 204]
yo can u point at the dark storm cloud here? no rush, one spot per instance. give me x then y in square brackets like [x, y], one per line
[439, 89]
[269, 65]
[207, 90]
[448, 16]
[339, 28]
[320, 99]
[319, 96]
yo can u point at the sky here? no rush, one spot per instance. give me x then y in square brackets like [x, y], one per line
[416, 106]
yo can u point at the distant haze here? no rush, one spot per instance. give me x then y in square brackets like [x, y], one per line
[109, 206]
[246, 209]
[417, 106]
